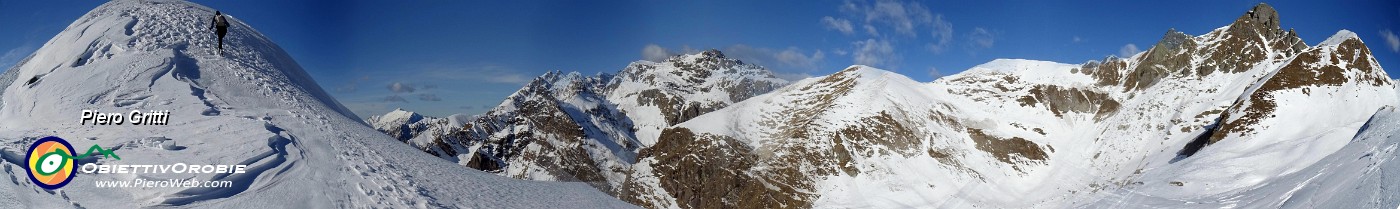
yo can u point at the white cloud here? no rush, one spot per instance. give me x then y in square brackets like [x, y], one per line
[905, 18]
[982, 38]
[791, 59]
[902, 16]
[503, 77]
[838, 24]
[394, 98]
[850, 7]
[877, 53]
[485, 73]
[942, 34]
[792, 76]
[1128, 50]
[870, 30]
[352, 86]
[933, 73]
[1077, 39]
[1391, 40]
[14, 55]
[653, 52]
[886, 21]
[399, 87]
[429, 97]
[794, 57]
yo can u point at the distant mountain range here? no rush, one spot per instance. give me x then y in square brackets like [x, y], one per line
[1247, 115]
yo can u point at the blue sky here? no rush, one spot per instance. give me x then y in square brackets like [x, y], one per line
[445, 57]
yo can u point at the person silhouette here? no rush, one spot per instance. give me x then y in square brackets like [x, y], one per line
[221, 24]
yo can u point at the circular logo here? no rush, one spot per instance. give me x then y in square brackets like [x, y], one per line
[50, 162]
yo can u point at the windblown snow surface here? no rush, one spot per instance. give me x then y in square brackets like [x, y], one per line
[250, 105]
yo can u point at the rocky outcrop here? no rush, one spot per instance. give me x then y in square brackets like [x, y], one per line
[1248, 40]
[536, 135]
[1108, 72]
[1170, 55]
[709, 171]
[1061, 100]
[1237, 48]
[1015, 151]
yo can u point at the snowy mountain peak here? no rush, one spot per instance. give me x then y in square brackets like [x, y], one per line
[862, 71]
[1010, 66]
[692, 68]
[708, 55]
[172, 38]
[395, 123]
[1339, 37]
[712, 53]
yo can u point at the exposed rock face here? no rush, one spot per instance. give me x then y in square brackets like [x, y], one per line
[1170, 55]
[1014, 150]
[674, 108]
[732, 175]
[1249, 40]
[1107, 72]
[1061, 101]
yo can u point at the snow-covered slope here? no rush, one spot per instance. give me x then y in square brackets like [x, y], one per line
[1236, 117]
[251, 105]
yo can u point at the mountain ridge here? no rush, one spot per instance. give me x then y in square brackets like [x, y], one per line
[571, 127]
[988, 137]
[250, 104]
[1208, 120]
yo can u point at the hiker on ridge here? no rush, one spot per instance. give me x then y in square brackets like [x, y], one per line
[222, 24]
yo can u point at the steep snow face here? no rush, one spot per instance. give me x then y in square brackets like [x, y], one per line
[251, 105]
[1215, 120]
